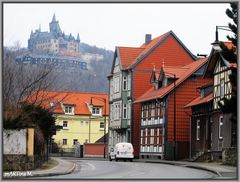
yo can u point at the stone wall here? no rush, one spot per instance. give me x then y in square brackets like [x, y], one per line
[229, 156]
[21, 162]
[17, 162]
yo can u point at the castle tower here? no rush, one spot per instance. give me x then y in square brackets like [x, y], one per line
[54, 26]
[78, 38]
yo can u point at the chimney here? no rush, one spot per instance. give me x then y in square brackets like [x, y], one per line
[148, 38]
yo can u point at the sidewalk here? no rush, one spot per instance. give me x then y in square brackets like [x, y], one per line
[63, 167]
[223, 171]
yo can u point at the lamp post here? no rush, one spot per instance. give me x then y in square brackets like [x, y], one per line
[105, 109]
[226, 28]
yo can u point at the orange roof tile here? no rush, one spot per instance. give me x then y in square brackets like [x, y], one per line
[200, 100]
[170, 71]
[128, 55]
[160, 93]
[148, 47]
[77, 99]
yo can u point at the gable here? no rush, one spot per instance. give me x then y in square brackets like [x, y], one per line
[116, 68]
[170, 47]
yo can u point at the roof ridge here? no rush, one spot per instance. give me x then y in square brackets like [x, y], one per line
[74, 92]
[129, 47]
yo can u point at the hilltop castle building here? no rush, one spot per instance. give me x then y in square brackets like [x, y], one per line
[54, 42]
[54, 48]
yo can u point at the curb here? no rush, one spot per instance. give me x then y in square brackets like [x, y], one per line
[185, 165]
[44, 174]
[204, 168]
[56, 173]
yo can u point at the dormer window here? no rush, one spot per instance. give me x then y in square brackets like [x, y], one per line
[69, 110]
[96, 111]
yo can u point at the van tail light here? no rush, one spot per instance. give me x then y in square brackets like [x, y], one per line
[117, 152]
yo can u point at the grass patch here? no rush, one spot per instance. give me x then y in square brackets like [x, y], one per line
[48, 165]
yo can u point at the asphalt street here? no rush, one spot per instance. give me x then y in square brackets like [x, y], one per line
[92, 169]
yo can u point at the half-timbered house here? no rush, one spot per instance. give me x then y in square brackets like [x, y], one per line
[162, 107]
[201, 123]
[219, 124]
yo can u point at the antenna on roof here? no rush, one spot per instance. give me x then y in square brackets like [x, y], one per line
[153, 66]
[163, 63]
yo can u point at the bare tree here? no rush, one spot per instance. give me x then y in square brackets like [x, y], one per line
[21, 80]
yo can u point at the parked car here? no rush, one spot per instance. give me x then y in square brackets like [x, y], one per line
[122, 151]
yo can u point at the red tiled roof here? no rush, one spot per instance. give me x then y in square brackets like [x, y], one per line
[128, 55]
[150, 45]
[170, 71]
[200, 100]
[77, 99]
[160, 93]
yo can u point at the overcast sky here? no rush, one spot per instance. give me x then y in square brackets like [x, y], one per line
[110, 25]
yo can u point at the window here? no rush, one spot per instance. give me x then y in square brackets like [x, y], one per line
[124, 83]
[198, 130]
[124, 111]
[117, 111]
[65, 124]
[194, 78]
[84, 123]
[129, 82]
[129, 109]
[101, 125]
[51, 104]
[68, 110]
[220, 127]
[96, 110]
[222, 88]
[75, 141]
[116, 84]
[64, 141]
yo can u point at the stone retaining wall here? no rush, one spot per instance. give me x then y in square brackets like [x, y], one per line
[21, 162]
[229, 156]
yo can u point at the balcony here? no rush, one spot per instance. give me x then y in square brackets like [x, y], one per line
[118, 124]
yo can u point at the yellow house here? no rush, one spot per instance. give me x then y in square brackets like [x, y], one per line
[83, 116]
[81, 128]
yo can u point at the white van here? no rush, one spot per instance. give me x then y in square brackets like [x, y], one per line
[122, 151]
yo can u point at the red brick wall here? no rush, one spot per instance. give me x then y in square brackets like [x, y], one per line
[173, 55]
[94, 149]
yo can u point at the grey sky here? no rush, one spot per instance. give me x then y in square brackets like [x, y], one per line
[110, 25]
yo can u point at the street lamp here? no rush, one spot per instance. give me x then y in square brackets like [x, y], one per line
[226, 28]
[104, 137]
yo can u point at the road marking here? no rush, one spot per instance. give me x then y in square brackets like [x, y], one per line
[85, 166]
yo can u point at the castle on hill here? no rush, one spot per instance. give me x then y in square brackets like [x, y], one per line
[54, 48]
[54, 42]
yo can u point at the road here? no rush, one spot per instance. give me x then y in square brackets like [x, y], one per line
[93, 169]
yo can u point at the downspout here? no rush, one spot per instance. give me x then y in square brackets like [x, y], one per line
[190, 138]
[190, 135]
